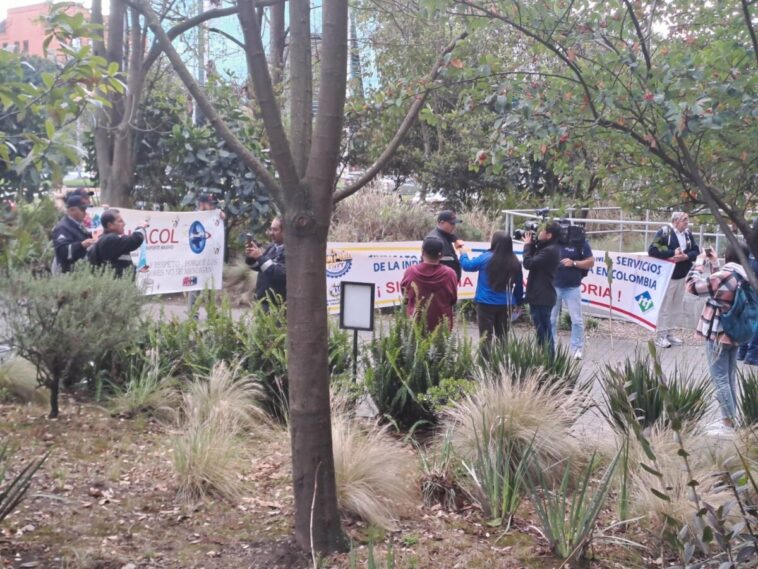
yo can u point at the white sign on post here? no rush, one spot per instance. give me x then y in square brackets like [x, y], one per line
[183, 251]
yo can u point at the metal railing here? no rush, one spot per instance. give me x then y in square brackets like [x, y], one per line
[515, 218]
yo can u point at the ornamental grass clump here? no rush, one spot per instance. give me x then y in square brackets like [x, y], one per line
[208, 448]
[531, 417]
[375, 473]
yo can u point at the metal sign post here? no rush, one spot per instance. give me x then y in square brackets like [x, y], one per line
[356, 312]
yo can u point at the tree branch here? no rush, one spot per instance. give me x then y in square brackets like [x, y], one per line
[746, 11]
[640, 36]
[190, 23]
[247, 157]
[402, 130]
[228, 36]
[281, 154]
[711, 198]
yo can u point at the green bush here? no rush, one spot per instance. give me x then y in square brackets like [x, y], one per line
[407, 362]
[257, 339]
[25, 237]
[633, 392]
[71, 325]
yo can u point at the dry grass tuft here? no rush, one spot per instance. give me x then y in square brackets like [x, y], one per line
[208, 447]
[239, 282]
[705, 455]
[374, 215]
[375, 473]
[153, 392]
[530, 412]
[18, 381]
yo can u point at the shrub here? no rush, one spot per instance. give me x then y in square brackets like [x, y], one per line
[439, 482]
[497, 473]
[568, 518]
[748, 386]
[530, 416]
[62, 324]
[633, 392]
[407, 362]
[207, 448]
[374, 473]
[18, 382]
[523, 357]
[13, 493]
[25, 237]
[379, 216]
[151, 389]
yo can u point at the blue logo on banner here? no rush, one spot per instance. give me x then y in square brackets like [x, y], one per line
[644, 301]
[198, 236]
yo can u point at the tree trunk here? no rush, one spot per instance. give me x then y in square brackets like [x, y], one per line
[317, 521]
[54, 389]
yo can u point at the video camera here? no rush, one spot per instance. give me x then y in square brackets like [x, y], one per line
[570, 233]
[531, 225]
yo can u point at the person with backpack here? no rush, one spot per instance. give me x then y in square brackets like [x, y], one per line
[114, 247]
[727, 292]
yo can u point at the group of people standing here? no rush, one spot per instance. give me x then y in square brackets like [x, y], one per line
[555, 274]
[556, 267]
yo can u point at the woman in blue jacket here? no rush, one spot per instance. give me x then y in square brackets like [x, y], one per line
[500, 286]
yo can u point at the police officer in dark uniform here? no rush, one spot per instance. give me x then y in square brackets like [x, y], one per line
[446, 222]
[71, 238]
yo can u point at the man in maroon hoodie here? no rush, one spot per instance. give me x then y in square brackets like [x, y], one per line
[431, 286]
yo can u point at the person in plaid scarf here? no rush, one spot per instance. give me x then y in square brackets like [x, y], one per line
[721, 351]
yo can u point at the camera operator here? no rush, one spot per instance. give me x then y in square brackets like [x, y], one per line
[541, 259]
[576, 260]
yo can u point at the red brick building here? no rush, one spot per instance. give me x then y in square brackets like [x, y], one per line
[23, 30]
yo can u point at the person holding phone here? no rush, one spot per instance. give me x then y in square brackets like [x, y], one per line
[271, 285]
[674, 242]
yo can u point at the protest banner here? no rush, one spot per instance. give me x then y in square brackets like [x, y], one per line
[183, 251]
[635, 295]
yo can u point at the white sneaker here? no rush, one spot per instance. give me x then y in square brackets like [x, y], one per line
[675, 341]
[662, 342]
[578, 355]
[719, 429]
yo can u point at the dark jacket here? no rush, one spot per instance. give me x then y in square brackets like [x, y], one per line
[67, 242]
[273, 275]
[449, 256]
[665, 243]
[541, 260]
[113, 250]
[433, 288]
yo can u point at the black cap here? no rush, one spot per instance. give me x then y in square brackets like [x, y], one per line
[82, 192]
[432, 247]
[553, 228]
[449, 216]
[75, 200]
[206, 198]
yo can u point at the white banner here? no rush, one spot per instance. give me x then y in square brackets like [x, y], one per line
[639, 281]
[183, 251]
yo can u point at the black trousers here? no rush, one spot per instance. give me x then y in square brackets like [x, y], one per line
[492, 319]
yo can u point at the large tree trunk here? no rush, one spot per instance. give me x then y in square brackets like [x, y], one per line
[317, 520]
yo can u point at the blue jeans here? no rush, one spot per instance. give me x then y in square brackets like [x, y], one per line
[722, 361]
[572, 296]
[541, 319]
